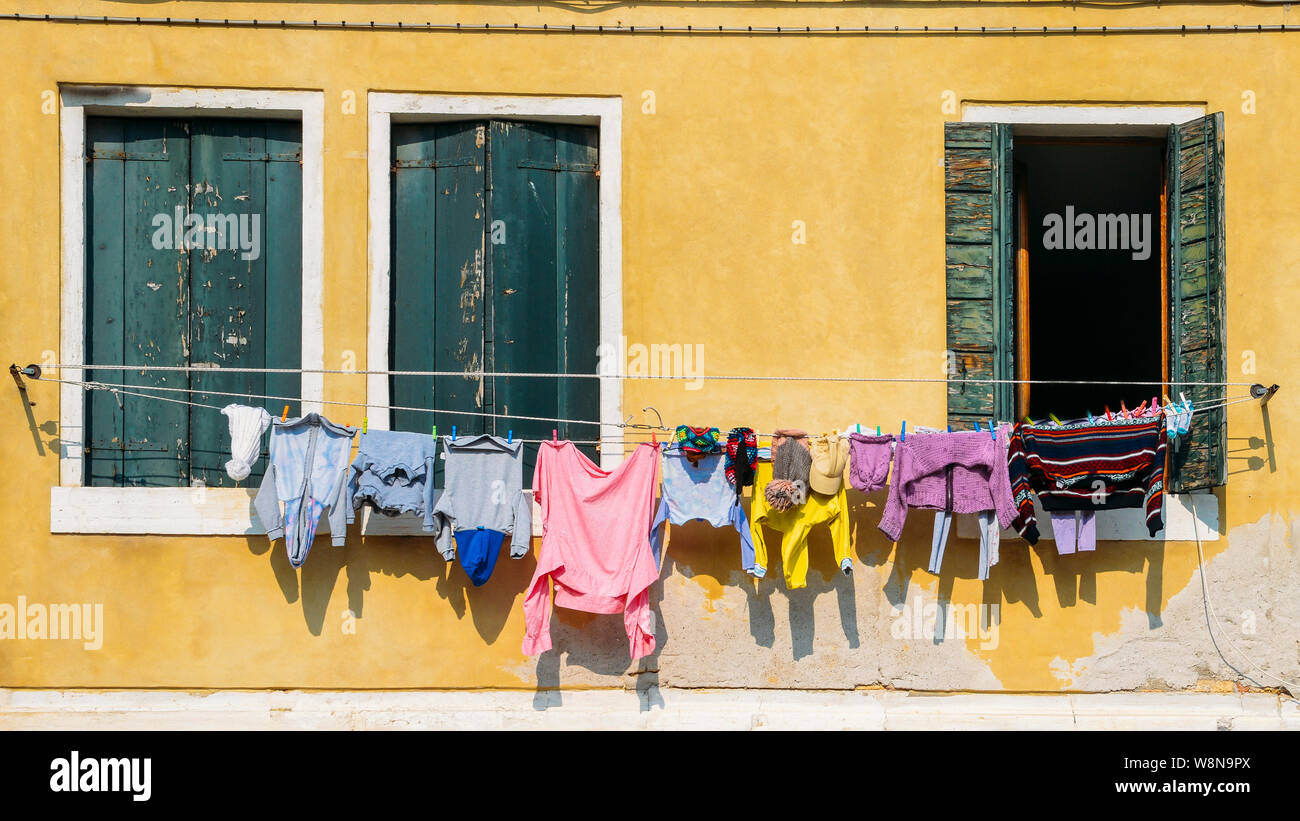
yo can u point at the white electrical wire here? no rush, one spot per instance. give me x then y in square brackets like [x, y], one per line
[1291, 687]
[669, 377]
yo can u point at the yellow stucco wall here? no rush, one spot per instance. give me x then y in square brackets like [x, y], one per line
[749, 134]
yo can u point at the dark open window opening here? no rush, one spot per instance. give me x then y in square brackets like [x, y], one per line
[1091, 273]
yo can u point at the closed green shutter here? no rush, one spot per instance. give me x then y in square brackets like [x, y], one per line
[979, 237]
[439, 218]
[495, 266]
[153, 301]
[1197, 352]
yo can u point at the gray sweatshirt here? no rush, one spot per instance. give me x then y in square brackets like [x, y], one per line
[483, 482]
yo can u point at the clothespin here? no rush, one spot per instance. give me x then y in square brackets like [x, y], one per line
[977, 426]
[877, 430]
[654, 439]
[1123, 410]
[453, 434]
[1108, 416]
[1140, 408]
[1186, 405]
[554, 437]
[365, 423]
[1028, 421]
[435, 431]
[510, 437]
[859, 427]
[1052, 416]
[285, 414]
[950, 428]
[1089, 417]
[903, 436]
[993, 434]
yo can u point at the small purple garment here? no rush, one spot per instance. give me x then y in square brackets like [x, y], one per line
[869, 458]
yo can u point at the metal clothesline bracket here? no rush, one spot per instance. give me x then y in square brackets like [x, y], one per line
[34, 371]
[1262, 393]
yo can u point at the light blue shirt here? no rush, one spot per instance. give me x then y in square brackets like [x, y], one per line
[700, 491]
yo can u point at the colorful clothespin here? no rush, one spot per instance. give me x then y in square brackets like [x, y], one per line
[992, 431]
[365, 423]
[1028, 421]
[1108, 416]
[1123, 411]
[859, 427]
[510, 437]
[453, 434]
[903, 436]
[950, 428]
[1089, 417]
[285, 414]
[654, 440]
[877, 430]
[1052, 416]
[977, 426]
[554, 437]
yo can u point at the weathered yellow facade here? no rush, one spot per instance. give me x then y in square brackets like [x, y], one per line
[727, 141]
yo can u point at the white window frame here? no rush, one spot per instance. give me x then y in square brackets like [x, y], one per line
[387, 108]
[1076, 120]
[193, 511]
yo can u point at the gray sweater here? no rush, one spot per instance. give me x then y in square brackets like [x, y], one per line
[483, 481]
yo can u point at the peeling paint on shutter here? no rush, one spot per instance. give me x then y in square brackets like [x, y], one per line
[979, 234]
[1197, 351]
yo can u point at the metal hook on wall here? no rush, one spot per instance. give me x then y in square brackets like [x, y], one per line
[658, 416]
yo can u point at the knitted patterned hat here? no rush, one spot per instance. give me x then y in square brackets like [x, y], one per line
[698, 440]
[791, 464]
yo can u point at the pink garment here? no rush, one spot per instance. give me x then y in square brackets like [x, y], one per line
[961, 472]
[869, 458]
[595, 542]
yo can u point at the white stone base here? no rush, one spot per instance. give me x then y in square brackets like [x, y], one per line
[652, 709]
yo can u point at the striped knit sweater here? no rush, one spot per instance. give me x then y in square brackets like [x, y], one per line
[1088, 466]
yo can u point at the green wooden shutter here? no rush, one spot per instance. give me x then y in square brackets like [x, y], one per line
[246, 182]
[437, 310]
[544, 275]
[137, 300]
[150, 301]
[979, 236]
[1197, 351]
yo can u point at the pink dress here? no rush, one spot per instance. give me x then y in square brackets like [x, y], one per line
[595, 542]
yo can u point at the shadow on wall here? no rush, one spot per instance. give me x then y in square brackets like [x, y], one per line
[489, 606]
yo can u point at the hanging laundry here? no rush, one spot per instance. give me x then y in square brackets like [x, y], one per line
[795, 524]
[247, 424]
[695, 442]
[959, 472]
[791, 463]
[483, 501]
[830, 457]
[1078, 466]
[307, 473]
[699, 490]
[742, 456]
[869, 459]
[595, 543]
[393, 475]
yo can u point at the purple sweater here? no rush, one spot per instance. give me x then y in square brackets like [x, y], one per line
[962, 472]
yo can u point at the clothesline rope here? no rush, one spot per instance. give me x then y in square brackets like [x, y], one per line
[666, 377]
[135, 390]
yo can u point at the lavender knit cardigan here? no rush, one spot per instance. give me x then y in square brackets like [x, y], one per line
[923, 464]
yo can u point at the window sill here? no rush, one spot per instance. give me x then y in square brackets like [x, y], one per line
[1130, 525]
[199, 511]
[164, 511]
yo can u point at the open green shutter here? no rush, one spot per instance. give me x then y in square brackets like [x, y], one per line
[1197, 352]
[979, 237]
